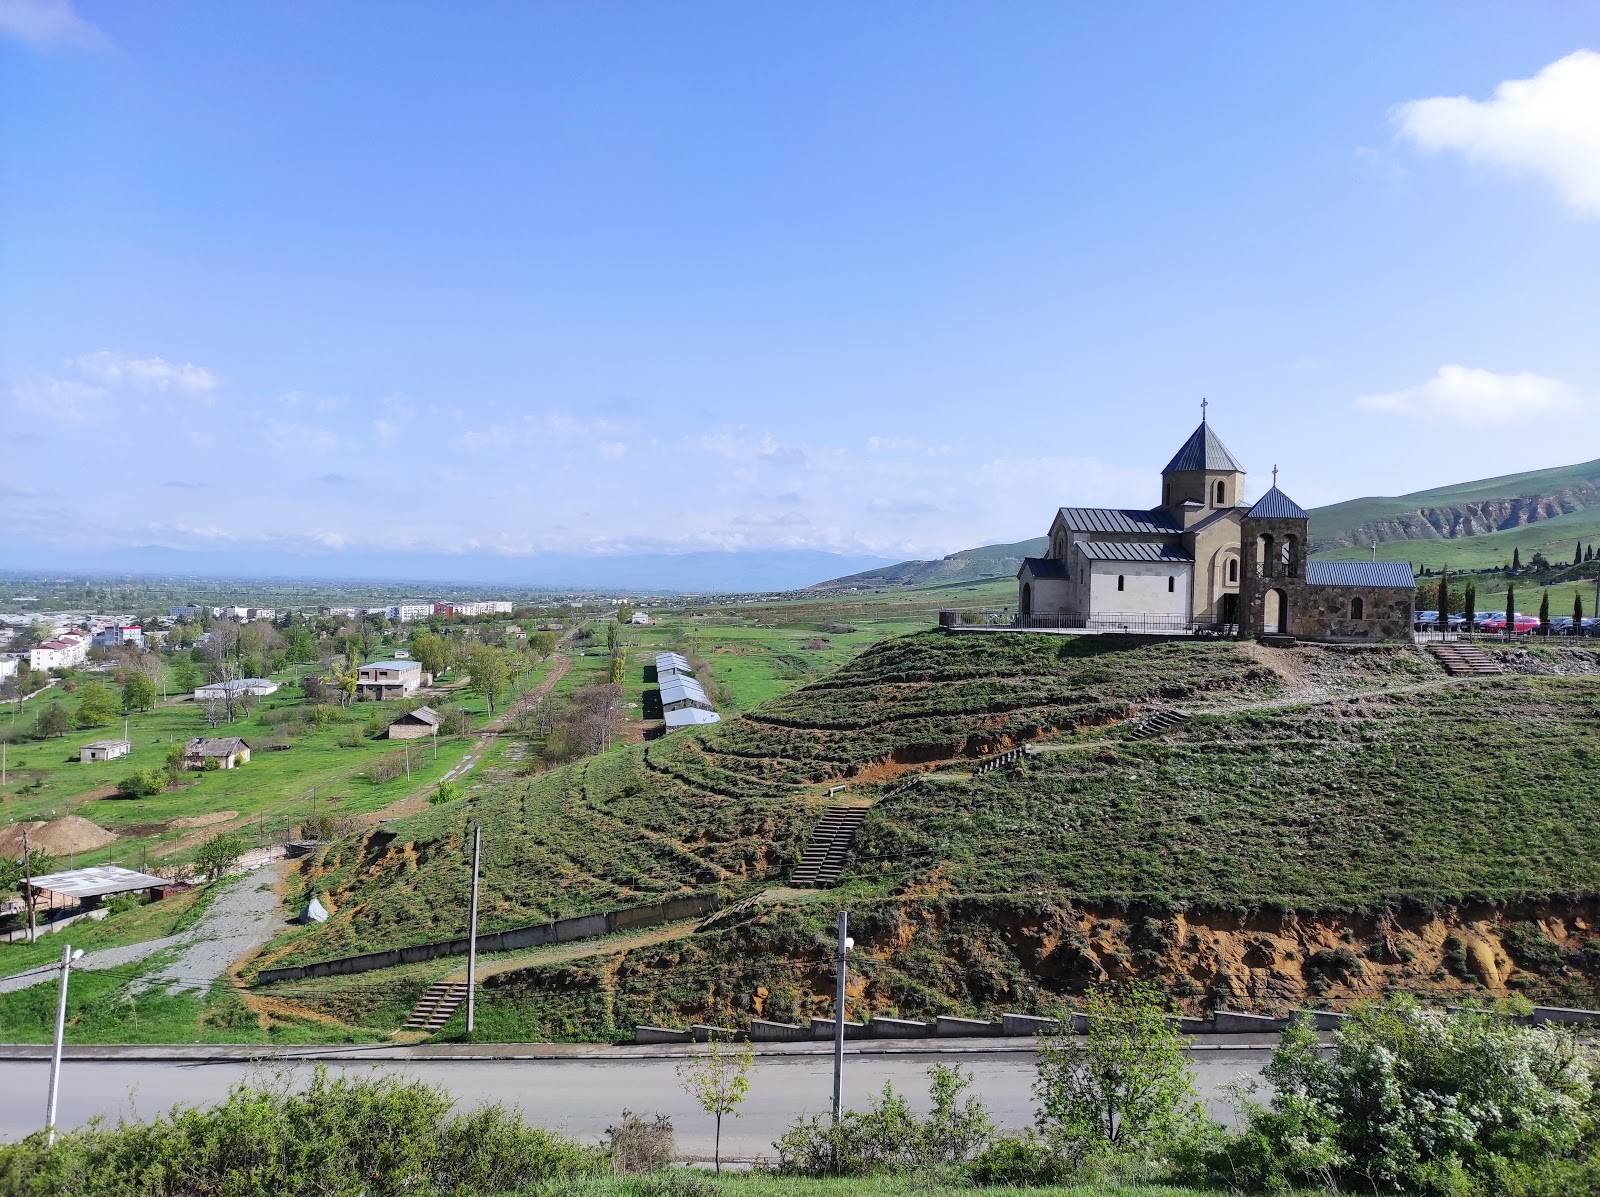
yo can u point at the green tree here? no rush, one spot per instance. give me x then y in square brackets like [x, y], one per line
[717, 1076]
[611, 635]
[1577, 554]
[432, 651]
[97, 706]
[138, 693]
[543, 643]
[1544, 614]
[54, 720]
[1124, 1084]
[619, 667]
[184, 675]
[1577, 614]
[624, 612]
[487, 667]
[218, 854]
[1511, 609]
[1469, 606]
[1516, 560]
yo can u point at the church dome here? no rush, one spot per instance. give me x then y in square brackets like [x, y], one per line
[1204, 450]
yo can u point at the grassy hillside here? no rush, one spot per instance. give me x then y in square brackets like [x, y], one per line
[969, 565]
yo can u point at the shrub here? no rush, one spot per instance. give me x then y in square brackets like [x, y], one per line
[1025, 1162]
[1419, 1099]
[453, 721]
[352, 739]
[636, 1146]
[888, 1137]
[142, 783]
[448, 791]
[381, 1136]
[387, 768]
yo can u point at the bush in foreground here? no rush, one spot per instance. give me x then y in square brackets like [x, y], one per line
[377, 1137]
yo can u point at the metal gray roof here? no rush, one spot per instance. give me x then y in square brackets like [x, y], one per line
[97, 881]
[690, 717]
[677, 689]
[1377, 574]
[1117, 550]
[1275, 505]
[1043, 567]
[671, 662]
[1119, 519]
[392, 664]
[1221, 513]
[1203, 450]
[422, 715]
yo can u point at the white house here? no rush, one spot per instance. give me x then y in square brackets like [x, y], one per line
[64, 652]
[408, 611]
[103, 750]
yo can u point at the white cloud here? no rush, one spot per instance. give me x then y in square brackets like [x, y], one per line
[46, 24]
[1479, 397]
[147, 373]
[60, 398]
[1547, 126]
[613, 450]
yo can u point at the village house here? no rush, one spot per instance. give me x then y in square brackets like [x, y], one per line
[414, 725]
[66, 651]
[258, 687]
[227, 751]
[1205, 558]
[389, 679]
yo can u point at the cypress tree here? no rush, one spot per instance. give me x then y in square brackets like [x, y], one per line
[1511, 608]
[1544, 614]
[1444, 597]
[1469, 606]
[1516, 560]
[1588, 554]
[1577, 554]
[1577, 615]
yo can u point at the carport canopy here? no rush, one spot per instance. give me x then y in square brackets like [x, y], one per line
[97, 882]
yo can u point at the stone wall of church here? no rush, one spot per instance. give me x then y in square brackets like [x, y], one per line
[1323, 613]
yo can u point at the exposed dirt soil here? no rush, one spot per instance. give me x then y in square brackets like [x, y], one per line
[65, 836]
[216, 816]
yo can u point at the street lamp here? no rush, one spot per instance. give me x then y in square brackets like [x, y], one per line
[67, 957]
[842, 960]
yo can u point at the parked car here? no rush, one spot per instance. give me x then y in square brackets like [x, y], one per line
[1521, 625]
[1482, 619]
[1561, 625]
[1590, 626]
[1426, 621]
[1457, 623]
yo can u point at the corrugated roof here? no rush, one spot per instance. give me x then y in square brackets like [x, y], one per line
[690, 717]
[1117, 550]
[1275, 505]
[221, 746]
[673, 662]
[1203, 450]
[676, 689]
[1043, 567]
[422, 715]
[1394, 574]
[395, 664]
[96, 882]
[1119, 519]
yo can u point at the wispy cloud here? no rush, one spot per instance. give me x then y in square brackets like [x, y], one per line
[146, 373]
[1481, 397]
[1547, 126]
[49, 25]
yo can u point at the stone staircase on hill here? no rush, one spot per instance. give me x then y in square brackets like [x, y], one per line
[1466, 660]
[1158, 723]
[824, 858]
[436, 1006]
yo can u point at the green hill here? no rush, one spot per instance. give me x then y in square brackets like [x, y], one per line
[1471, 525]
[1332, 822]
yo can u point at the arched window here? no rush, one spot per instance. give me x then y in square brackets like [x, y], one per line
[1266, 553]
[1290, 544]
[1358, 609]
[1233, 569]
[1120, 580]
[1219, 493]
[1172, 584]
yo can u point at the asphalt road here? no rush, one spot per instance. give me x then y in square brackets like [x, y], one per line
[582, 1096]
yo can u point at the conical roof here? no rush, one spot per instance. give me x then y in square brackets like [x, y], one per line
[1203, 450]
[1275, 505]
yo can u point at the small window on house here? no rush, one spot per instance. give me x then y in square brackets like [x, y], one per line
[1358, 609]
[1119, 581]
[1233, 569]
[1172, 584]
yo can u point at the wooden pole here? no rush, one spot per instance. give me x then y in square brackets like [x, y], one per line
[27, 868]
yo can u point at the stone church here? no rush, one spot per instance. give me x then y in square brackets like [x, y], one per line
[1205, 558]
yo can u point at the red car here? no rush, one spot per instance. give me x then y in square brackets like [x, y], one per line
[1524, 625]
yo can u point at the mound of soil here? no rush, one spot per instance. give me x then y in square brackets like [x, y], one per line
[60, 837]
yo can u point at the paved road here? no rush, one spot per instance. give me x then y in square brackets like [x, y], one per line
[582, 1096]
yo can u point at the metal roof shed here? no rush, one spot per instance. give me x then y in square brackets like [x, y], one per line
[690, 717]
[97, 882]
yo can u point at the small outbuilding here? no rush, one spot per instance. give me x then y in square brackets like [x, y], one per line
[88, 886]
[227, 751]
[414, 725]
[690, 717]
[103, 750]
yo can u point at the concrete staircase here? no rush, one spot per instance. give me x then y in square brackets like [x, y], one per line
[1466, 660]
[1158, 723]
[436, 1006]
[824, 858]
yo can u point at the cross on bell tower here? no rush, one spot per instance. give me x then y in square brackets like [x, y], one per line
[1274, 475]
[1203, 405]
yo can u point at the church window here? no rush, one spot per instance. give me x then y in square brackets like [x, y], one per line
[1219, 494]
[1172, 584]
[1233, 569]
[1119, 581]
[1358, 609]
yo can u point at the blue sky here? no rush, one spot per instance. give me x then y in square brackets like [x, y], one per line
[540, 281]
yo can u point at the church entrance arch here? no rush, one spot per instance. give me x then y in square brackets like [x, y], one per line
[1027, 603]
[1275, 613]
[1230, 608]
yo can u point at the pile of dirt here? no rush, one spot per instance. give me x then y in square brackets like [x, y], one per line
[67, 836]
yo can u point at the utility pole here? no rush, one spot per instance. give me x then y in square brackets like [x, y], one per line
[845, 944]
[67, 957]
[408, 760]
[472, 928]
[27, 869]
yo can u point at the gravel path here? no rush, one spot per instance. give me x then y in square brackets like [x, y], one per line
[245, 916]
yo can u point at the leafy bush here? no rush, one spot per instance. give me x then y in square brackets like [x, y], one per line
[381, 1137]
[352, 739]
[636, 1146]
[453, 721]
[888, 1137]
[1419, 1099]
[1025, 1162]
[142, 783]
[447, 791]
[387, 768]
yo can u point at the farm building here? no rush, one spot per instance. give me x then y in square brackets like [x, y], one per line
[672, 665]
[690, 717]
[87, 886]
[258, 687]
[413, 725]
[389, 679]
[103, 750]
[679, 693]
[227, 751]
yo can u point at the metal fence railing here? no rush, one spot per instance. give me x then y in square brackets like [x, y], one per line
[1132, 622]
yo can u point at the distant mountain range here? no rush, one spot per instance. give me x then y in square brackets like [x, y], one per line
[1473, 524]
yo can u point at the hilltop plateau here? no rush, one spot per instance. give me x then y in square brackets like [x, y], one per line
[1330, 822]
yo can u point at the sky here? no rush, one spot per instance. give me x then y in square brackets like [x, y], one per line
[534, 285]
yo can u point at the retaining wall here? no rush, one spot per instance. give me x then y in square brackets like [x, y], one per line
[583, 926]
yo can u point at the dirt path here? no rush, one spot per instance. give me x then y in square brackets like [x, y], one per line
[416, 803]
[577, 950]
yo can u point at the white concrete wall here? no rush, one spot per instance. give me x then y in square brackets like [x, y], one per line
[1144, 588]
[1051, 596]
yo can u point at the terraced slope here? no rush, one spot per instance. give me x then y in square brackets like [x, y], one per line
[732, 807]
